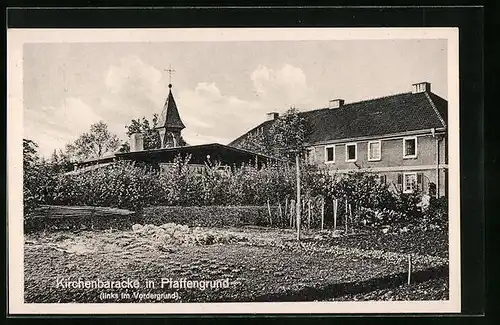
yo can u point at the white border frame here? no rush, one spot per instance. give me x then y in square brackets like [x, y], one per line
[326, 154]
[404, 148]
[379, 150]
[17, 37]
[404, 182]
[355, 144]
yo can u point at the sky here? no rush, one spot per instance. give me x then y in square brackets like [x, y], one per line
[222, 89]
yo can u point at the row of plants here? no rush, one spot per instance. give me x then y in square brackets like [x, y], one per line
[131, 186]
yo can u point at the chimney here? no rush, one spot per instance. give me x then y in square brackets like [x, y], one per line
[421, 87]
[136, 142]
[335, 103]
[272, 116]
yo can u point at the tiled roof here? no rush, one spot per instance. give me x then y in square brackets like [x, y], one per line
[169, 117]
[386, 115]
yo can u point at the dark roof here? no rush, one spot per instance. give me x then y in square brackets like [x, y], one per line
[386, 115]
[169, 117]
[106, 158]
[217, 152]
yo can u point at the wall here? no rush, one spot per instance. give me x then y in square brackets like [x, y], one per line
[392, 162]
[391, 154]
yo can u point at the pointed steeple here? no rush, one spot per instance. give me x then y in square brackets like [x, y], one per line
[169, 117]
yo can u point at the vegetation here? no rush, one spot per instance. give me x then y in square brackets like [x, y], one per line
[129, 186]
[284, 139]
[96, 143]
[150, 134]
[39, 176]
[151, 137]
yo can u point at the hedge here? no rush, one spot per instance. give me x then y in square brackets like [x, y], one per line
[53, 218]
[128, 186]
[207, 216]
[80, 218]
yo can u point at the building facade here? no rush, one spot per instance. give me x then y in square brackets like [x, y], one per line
[402, 138]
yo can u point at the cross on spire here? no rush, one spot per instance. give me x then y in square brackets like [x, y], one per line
[170, 71]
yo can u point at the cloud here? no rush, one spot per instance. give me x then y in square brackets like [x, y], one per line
[52, 127]
[134, 88]
[211, 114]
[283, 87]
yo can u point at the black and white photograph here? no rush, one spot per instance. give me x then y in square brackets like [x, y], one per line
[279, 170]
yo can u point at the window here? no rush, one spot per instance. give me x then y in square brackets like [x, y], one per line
[330, 154]
[410, 147]
[351, 152]
[409, 182]
[374, 150]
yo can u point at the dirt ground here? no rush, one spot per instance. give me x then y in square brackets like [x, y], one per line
[261, 264]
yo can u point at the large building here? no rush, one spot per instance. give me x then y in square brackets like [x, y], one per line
[402, 138]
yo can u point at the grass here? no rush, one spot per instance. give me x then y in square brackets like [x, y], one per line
[268, 266]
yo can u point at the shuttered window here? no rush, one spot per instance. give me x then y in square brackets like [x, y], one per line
[420, 181]
[409, 182]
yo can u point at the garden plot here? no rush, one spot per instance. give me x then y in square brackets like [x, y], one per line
[261, 264]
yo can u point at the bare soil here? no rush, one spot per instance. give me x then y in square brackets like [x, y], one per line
[264, 264]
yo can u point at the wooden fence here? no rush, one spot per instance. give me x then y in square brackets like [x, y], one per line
[316, 213]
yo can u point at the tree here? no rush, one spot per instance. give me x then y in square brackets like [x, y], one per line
[288, 134]
[38, 177]
[125, 147]
[54, 158]
[97, 143]
[30, 153]
[60, 161]
[257, 141]
[285, 137]
[150, 134]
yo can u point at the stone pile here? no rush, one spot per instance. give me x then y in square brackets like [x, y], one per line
[175, 234]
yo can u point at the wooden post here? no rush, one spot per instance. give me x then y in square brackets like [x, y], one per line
[322, 213]
[292, 212]
[335, 207]
[297, 161]
[286, 209]
[269, 211]
[350, 215]
[345, 216]
[309, 214]
[281, 211]
[410, 266]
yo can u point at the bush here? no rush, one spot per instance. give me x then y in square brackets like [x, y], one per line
[437, 213]
[120, 185]
[39, 182]
[209, 216]
[125, 185]
[134, 187]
